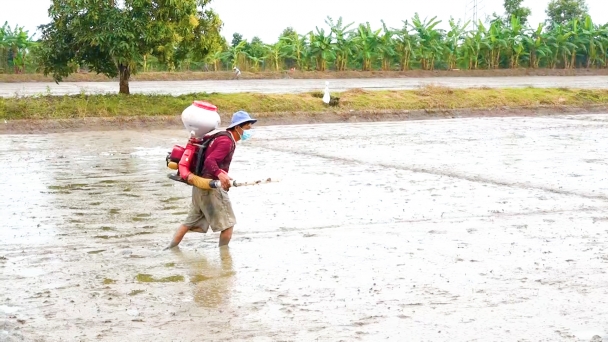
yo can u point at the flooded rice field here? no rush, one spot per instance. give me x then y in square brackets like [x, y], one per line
[439, 230]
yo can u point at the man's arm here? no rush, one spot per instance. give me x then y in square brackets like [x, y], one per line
[219, 149]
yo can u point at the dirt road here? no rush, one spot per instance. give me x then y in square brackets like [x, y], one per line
[465, 229]
[295, 85]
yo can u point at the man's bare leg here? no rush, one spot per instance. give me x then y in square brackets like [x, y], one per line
[225, 236]
[179, 235]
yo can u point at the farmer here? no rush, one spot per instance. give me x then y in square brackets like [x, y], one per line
[237, 73]
[213, 207]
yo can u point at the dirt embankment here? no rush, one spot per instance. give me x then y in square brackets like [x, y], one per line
[226, 75]
[174, 122]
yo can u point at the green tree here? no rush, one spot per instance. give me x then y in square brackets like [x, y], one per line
[208, 41]
[563, 11]
[256, 52]
[236, 39]
[514, 8]
[288, 32]
[113, 39]
[256, 47]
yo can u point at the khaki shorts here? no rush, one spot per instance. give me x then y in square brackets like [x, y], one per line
[210, 208]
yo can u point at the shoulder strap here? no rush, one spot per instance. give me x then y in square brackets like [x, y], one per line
[224, 133]
[205, 143]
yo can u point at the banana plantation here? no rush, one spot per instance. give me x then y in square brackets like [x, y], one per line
[418, 44]
[15, 46]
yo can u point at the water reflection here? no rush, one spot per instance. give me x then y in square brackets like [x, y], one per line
[213, 282]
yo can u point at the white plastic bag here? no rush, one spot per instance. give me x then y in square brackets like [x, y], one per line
[326, 95]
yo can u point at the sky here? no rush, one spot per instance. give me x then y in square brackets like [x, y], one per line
[267, 18]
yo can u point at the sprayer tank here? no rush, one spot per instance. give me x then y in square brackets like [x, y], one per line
[201, 118]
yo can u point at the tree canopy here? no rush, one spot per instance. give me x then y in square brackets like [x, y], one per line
[563, 11]
[514, 8]
[113, 38]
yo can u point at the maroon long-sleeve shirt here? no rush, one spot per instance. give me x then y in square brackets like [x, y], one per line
[218, 157]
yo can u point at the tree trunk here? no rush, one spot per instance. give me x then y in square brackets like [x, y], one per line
[573, 60]
[125, 74]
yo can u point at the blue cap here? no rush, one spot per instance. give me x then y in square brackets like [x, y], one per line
[239, 118]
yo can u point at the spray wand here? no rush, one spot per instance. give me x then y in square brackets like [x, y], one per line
[207, 184]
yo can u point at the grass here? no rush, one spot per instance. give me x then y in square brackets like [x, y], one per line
[136, 292]
[108, 281]
[147, 278]
[281, 105]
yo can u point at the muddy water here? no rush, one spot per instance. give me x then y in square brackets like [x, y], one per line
[464, 229]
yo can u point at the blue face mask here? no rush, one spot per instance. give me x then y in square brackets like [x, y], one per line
[246, 135]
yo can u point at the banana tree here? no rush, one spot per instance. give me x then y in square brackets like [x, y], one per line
[578, 41]
[342, 46]
[404, 45]
[515, 38]
[536, 45]
[256, 62]
[496, 42]
[321, 49]
[296, 47]
[214, 59]
[603, 38]
[560, 45]
[4, 47]
[472, 46]
[453, 42]
[275, 54]
[594, 44]
[236, 55]
[430, 44]
[366, 43]
[387, 49]
[257, 52]
[16, 45]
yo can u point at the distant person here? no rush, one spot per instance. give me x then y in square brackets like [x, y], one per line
[237, 73]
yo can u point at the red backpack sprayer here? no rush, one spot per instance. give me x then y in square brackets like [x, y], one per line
[202, 121]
